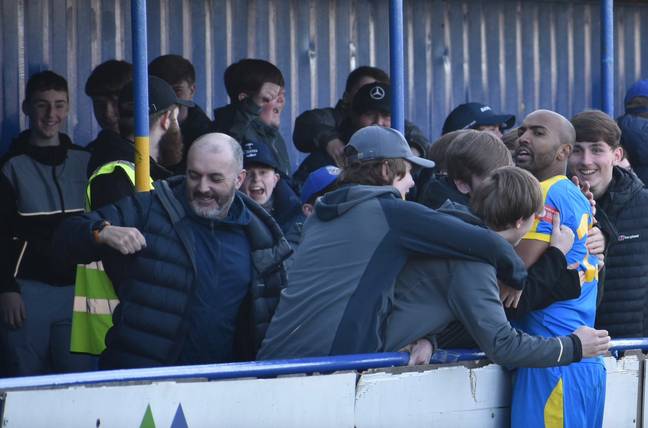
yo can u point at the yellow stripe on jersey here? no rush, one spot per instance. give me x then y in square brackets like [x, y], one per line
[554, 412]
[583, 227]
[544, 186]
[538, 236]
[591, 272]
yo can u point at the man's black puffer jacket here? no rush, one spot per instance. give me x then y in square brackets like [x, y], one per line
[155, 285]
[624, 309]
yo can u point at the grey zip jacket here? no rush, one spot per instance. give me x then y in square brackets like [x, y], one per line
[341, 284]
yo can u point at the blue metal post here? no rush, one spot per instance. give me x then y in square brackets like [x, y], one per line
[140, 80]
[397, 64]
[607, 56]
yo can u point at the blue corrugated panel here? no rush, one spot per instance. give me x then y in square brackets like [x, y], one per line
[514, 55]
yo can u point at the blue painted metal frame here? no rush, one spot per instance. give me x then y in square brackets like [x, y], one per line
[607, 56]
[140, 67]
[267, 368]
[397, 64]
[215, 371]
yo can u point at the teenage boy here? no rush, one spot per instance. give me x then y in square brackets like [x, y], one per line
[442, 186]
[572, 395]
[103, 87]
[622, 202]
[42, 182]
[257, 98]
[264, 185]
[320, 132]
[432, 292]
[181, 75]
[471, 157]
[371, 105]
[355, 245]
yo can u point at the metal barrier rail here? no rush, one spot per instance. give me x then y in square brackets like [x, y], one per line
[267, 368]
[214, 371]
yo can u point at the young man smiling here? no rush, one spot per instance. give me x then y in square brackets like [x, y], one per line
[42, 182]
[622, 202]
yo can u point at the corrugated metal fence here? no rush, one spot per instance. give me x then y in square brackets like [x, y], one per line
[514, 55]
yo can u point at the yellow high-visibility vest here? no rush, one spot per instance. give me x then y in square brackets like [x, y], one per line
[95, 299]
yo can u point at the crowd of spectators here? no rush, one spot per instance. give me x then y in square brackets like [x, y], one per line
[529, 243]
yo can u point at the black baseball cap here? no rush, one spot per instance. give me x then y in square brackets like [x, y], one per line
[374, 96]
[160, 96]
[259, 154]
[377, 142]
[473, 115]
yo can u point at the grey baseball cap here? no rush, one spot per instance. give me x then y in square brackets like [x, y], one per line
[378, 142]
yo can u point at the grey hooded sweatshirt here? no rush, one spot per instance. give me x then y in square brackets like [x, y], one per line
[341, 284]
[432, 292]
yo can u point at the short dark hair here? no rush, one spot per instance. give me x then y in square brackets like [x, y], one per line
[365, 71]
[476, 153]
[45, 81]
[370, 172]
[438, 149]
[594, 125]
[108, 78]
[248, 75]
[506, 195]
[173, 69]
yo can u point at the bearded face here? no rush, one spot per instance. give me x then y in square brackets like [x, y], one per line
[212, 181]
[171, 146]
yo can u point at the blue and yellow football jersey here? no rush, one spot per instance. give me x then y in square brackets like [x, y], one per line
[563, 198]
[571, 395]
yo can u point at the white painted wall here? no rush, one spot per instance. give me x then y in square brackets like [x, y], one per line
[447, 396]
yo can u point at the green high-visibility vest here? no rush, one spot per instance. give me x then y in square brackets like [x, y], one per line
[94, 295]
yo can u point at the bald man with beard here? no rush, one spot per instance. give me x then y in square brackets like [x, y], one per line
[197, 265]
[574, 395]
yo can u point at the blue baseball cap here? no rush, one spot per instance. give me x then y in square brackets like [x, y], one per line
[318, 181]
[259, 154]
[473, 115]
[638, 89]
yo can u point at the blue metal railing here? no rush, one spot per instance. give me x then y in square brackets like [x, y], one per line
[216, 371]
[266, 368]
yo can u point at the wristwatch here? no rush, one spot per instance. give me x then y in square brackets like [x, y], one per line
[98, 227]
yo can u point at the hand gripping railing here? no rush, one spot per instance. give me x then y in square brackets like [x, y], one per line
[266, 368]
